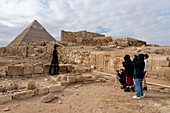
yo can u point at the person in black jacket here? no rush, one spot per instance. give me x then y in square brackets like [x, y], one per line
[54, 68]
[129, 71]
[122, 78]
[138, 64]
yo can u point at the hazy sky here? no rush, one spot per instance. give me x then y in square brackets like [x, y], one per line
[148, 20]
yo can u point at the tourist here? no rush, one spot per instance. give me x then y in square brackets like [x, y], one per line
[54, 68]
[129, 71]
[122, 78]
[146, 57]
[138, 64]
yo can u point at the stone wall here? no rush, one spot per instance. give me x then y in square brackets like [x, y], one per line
[81, 37]
[35, 70]
[126, 41]
[108, 61]
[111, 61]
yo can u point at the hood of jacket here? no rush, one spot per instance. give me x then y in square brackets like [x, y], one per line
[127, 57]
[141, 57]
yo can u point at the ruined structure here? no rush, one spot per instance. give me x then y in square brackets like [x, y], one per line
[108, 59]
[93, 39]
[35, 32]
[127, 41]
[81, 37]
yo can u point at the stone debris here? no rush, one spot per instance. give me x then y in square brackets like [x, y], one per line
[6, 109]
[119, 47]
[59, 101]
[48, 98]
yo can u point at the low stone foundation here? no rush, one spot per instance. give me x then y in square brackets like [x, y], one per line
[36, 69]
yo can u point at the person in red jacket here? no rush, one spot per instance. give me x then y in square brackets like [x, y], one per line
[129, 71]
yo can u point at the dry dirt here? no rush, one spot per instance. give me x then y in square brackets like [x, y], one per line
[94, 98]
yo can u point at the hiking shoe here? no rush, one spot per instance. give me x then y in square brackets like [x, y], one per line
[132, 89]
[135, 97]
[127, 89]
[145, 88]
[123, 87]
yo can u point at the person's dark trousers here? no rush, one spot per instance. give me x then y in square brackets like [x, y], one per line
[54, 68]
[123, 82]
[139, 87]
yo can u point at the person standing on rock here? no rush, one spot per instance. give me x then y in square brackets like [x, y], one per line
[129, 71]
[138, 64]
[54, 68]
[146, 57]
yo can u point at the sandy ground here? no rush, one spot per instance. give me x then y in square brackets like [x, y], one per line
[94, 98]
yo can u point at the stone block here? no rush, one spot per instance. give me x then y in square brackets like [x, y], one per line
[79, 78]
[23, 94]
[158, 69]
[63, 83]
[46, 68]
[63, 78]
[167, 75]
[62, 68]
[2, 71]
[38, 69]
[164, 63]
[54, 88]
[165, 70]
[28, 70]
[5, 98]
[48, 98]
[15, 70]
[43, 90]
[30, 85]
[161, 74]
[71, 79]
[36, 75]
[69, 67]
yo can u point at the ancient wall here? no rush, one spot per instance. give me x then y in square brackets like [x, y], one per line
[126, 41]
[111, 61]
[107, 61]
[81, 37]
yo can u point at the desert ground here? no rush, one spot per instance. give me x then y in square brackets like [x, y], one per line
[105, 97]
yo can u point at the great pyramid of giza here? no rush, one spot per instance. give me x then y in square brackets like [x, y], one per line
[35, 32]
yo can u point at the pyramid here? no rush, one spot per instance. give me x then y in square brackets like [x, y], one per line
[35, 32]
